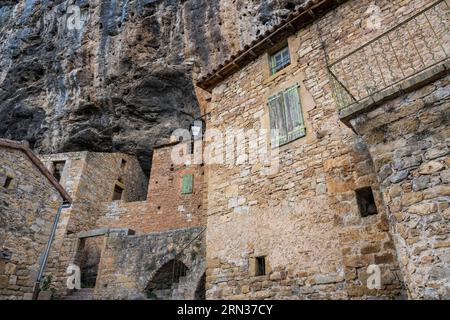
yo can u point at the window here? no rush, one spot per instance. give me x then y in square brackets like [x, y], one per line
[118, 192]
[58, 168]
[280, 60]
[187, 184]
[260, 266]
[8, 182]
[366, 202]
[123, 164]
[286, 118]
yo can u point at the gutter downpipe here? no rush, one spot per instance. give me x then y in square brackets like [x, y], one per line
[64, 205]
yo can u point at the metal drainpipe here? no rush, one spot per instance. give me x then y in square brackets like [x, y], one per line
[64, 205]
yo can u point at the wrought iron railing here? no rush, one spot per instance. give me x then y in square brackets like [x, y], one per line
[411, 47]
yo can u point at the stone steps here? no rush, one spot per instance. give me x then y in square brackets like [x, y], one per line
[82, 294]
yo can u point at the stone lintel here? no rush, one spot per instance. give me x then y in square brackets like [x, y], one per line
[105, 231]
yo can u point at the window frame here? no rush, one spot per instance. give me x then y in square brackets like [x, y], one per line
[260, 266]
[274, 68]
[284, 108]
[121, 191]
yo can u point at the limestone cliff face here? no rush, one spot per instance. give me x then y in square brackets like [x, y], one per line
[119, 78]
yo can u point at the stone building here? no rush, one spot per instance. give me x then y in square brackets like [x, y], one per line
[29, 200]
[124, 242]
[325, 163]
[357, 95]
[113, 223]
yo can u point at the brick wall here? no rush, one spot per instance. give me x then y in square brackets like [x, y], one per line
[166, 207]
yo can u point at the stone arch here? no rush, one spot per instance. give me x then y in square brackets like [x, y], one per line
[200, 291]
[161, 284]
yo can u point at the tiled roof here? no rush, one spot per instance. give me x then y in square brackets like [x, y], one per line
[298, 19]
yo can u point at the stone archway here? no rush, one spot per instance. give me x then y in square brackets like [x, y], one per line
[200, 291]
[161, 285]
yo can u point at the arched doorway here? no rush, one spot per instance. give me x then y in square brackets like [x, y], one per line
[200, 291]
[160, 287]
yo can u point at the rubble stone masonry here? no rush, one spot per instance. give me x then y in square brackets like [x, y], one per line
[28, 206]
[90, 179]
[304, 218]
[408, 140]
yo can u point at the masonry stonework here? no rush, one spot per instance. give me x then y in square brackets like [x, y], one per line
[146, 207]
[131, 263]
[166, 207]
[304, 217]
[251, 220]
[28, 206]
[408, 140]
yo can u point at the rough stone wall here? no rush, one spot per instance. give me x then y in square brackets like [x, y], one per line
[304, 218]
[129, 263]
[91, 176]
[408, 139]
[27, 211]
[166, 207]
[90, 179]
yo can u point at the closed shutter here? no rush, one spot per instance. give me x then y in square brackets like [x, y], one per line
[294, 118]
[277, 120]
[188, 184]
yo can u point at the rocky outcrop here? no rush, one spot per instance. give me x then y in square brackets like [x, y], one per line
[115, 75]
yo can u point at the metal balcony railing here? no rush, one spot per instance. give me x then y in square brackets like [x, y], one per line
[411, 47]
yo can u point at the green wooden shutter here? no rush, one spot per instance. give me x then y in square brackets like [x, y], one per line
[188, 184]
[273, 64]
[294, 117]
[277, 120]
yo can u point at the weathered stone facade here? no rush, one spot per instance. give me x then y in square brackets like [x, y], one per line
[28, 205]
[130, 264]
[95, 217]
[289, 228]
[408, 140]
[304, 218]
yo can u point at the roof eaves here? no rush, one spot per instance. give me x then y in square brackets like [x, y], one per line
[297, 20]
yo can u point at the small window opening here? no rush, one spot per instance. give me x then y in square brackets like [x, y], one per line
[58, 168]
[260, 266]
[280, 60]
[118, 192]
[192, 147]
[8, 182]
[366, 202]
[123, 164]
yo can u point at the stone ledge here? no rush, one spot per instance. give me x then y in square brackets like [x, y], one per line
[409, 84]
[105, 231]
